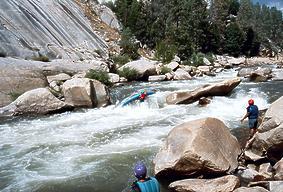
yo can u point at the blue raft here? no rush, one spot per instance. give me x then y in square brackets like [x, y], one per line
[135, 96]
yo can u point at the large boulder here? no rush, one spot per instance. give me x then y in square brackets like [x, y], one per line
[269, 137]
[199, 147]
[217, 89]
[181, 74]
[84, 92]
[224, 184]
[37, 101]
[145, 68]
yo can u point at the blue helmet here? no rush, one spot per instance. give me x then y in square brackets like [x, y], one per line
[140, 170]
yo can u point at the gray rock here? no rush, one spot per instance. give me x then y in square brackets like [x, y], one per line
[114, 78]
[37, 101]
[251, 189]
[181, 74]
[145, 68]
[32, 27]
[199, 147]
[223, 184]
[83, 92]
[172, 65]
[269, 138]
[157, 78]
[278, 167]
[107, 16]
[59, 77]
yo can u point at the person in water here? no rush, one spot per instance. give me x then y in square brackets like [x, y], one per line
[252, 114]
[143, 95]
[144, 183]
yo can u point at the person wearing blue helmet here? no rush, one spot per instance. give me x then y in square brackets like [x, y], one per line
[144, 183]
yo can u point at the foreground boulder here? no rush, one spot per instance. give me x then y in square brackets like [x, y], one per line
[200, 147]
[251, 189]
[37, 101]
[224, 184]
[84, 92]
[217, 89]
[270, 133]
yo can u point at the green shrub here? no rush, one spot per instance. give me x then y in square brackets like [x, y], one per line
[164, 70]
[129, 45]
[101, 76]
[128, 73]
[14, 95]
[120, 59]
[210, 57]
[197, 59]
[42, 58]
[165, 52]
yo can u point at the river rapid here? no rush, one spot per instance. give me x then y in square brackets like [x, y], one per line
[96, 149]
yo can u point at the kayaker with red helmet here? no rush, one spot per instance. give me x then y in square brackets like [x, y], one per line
[252, 114]
[144, 184]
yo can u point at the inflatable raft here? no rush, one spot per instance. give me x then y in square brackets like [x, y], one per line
[135, 96]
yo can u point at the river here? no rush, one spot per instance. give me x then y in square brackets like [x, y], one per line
[96, 149]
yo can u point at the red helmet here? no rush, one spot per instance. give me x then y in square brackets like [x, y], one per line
[251, 102]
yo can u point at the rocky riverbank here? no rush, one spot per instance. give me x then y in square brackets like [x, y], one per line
[208, 158]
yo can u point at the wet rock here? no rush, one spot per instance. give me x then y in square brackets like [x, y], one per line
[256, 77]
[37, 101]
[204, 101]
[217, 89]
[278, 75]
[223, 184]
[199, 147]
[83, 92]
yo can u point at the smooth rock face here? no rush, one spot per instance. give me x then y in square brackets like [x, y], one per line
[37, 101]
[223, 184]
[217, 89]
[49, 27]
[278, 167]
[199, 147]
[269, 137]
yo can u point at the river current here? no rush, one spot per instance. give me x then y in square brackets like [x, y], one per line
[96, 149]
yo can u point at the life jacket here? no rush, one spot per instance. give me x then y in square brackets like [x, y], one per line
[253, 111]
[150, 185]
[142, 96]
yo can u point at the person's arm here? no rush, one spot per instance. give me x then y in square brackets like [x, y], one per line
[134, 188]
[246, 115]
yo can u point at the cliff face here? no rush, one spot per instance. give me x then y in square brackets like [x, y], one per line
[55, 28]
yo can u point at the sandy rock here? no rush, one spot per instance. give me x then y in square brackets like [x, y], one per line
[278, 167]
[114, 78]
[223, 184]
[251, 189]
[37, 101]
[269, 138]
[203, 146]
[181, 74]
[83, 92]
[59, 77]
[172, 65]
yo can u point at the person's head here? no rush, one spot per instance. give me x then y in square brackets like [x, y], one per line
[140, 170]
[251, 102]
